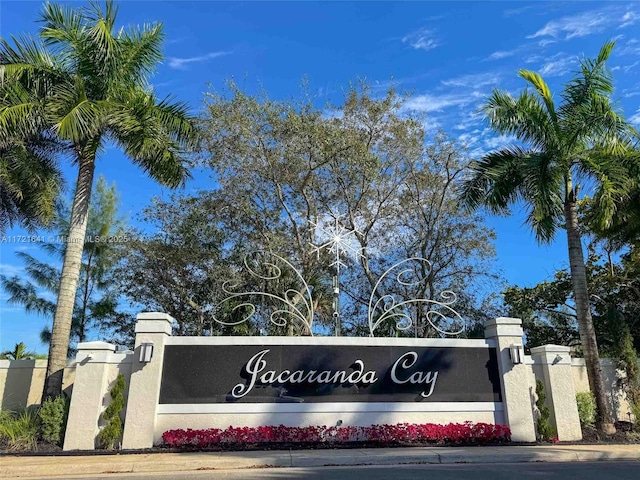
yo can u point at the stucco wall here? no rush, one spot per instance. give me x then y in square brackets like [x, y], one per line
[22, 381]
[616, 398]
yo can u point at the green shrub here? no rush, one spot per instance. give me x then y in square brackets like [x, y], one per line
[586, 409]
[19, 430]
[543, 425]
[53, 415]
[635, 411]
[112, 431]
[633, 437]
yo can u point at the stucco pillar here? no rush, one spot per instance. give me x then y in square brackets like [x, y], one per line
[517, 391]
[144, 388]
[87, 400]
[555, 361]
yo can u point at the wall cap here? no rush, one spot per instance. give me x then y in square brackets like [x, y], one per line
[550, 349]
[96, 346]
[155, 316]
[503, 321]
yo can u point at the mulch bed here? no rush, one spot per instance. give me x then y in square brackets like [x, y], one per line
[591, 435]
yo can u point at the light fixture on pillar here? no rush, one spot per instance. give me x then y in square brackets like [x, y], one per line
[516, 352]
[146, 352]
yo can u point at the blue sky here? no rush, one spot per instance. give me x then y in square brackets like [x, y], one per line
[449, 55]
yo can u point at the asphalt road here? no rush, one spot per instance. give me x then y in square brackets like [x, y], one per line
[525, 471]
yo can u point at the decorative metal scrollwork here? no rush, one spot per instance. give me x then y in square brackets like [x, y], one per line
[388, 307]
[293, 305]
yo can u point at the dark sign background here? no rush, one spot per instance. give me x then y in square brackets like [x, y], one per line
[207, 373]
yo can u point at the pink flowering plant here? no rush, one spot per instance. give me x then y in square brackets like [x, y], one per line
[460, 433]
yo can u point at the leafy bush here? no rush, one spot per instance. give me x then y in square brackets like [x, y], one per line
[53, 415]
[19, 430]
[633, 437]
[112, 431]
[543, 425]
[586, 409]
[403, 432]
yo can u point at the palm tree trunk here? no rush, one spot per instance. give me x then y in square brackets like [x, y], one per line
[61, 328]
[585, 322]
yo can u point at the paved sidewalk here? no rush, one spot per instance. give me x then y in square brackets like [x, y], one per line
[65, 466]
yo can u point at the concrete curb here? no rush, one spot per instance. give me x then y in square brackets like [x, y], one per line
[66, 466]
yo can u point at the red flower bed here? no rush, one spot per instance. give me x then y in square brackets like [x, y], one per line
[467, 432]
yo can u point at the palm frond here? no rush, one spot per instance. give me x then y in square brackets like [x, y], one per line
[44, 275]
[595, 80]
[61, 26]
[77, 118]
[24, 294]
[141, 53]
[613, 184]
[524, 117]
[493, 181]
[30, 181]
[541, 188]
[154, 135]
[543, 90]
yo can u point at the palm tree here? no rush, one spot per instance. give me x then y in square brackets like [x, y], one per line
[20, 352]
[30, 180]
[84, 86]
[582, 141]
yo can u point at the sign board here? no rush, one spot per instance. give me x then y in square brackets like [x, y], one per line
[197, 374]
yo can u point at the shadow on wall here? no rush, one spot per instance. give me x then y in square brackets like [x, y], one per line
[22, 381]
[18, 381]
[614, 394]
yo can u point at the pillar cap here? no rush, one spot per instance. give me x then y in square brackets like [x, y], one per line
[551, 349]
[155, 316]
[504, 327]
[154, 322]
[551, 355]
[97, 346]
[503, 321]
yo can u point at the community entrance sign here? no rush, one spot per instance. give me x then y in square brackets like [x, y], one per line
[196, 374]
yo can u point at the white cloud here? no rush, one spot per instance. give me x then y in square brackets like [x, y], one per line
[635, 119]
[631, 92]
[632, 47]
[629, 19]
[580, 25]
[557, 65]
[587, 23]
[470, 139]
[11, 270]
[431, 125]
[468, 120]
[330, 113]
[500, 54]
[182, 63]
[532, 59]
[476, 80]
[422, 39]
[545, 41]
[499, 141]
[437, 103]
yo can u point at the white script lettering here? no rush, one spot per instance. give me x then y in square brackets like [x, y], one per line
[257, 364]
[407, 361]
